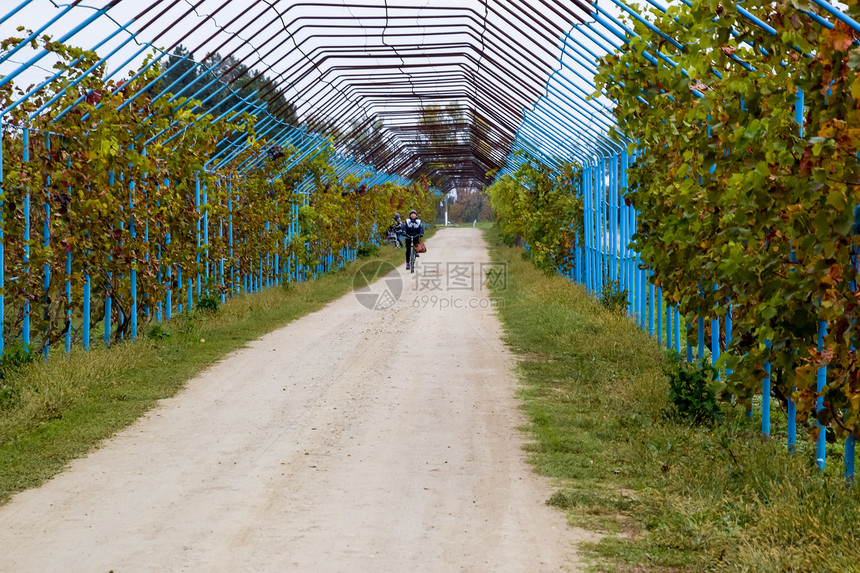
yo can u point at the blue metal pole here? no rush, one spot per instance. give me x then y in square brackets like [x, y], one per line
[197, 203]
[651, 308]
[715, 342]
[221, 261]
[592, 233]
[2, 251]
[821, 380]
[600, 203]
[108, 287]
[233, 285]
[168, 299]
[728, 332]
[765, 397]
[622, 247]
[634, 275]
[209, 266]
[86, 311]
[25, 327]
[168, 302]
[133, 311]
[791, 414]
[792, 425]
[158, 305]
[643, 285]
[595, 225]
[615, 193]
[68, 287]
[107, 319]
[586, 207]
[631, 264]
[133, 233]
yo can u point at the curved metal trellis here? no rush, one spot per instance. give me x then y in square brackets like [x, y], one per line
[449, 90]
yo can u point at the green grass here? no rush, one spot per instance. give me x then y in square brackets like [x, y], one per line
[666, 496]
[65, 407]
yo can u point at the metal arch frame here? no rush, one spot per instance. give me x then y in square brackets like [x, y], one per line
[317, 4]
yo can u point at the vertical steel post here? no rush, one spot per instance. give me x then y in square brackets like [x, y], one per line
[133, 278]
[651, 308]
[614, 190]
[68, 336]
[2, 249]
[25, 328]
[791, 413]
[715, 342]
[87, 311]
[199, 239]
[46, 269]
[821, 380]
[765, 397]
[221, 258]
[230, 238]
[205, 202]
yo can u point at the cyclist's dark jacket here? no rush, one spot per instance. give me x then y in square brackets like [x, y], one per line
[413, 228]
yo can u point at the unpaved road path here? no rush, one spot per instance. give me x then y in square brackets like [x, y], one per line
[350, 440]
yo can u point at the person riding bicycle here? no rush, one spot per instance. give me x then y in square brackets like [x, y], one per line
[397, 229]
[413, 228]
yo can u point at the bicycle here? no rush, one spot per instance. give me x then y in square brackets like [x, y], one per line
[412, 255]
[391, 239]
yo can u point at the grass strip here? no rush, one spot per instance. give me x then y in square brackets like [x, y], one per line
[60, 410]
[667, 496]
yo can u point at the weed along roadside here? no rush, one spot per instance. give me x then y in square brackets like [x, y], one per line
[674, 485]
[51, 413]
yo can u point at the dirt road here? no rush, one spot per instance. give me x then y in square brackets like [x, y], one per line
[351, 440]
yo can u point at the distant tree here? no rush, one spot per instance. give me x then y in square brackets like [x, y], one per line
[184, 77]
[365, 140]
[470, 206]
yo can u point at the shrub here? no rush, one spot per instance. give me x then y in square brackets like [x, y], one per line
[157, 332]
[613, 297]
[692, 393]
[208, 303]
[367, 251]
[12, 360]
[9, 396]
